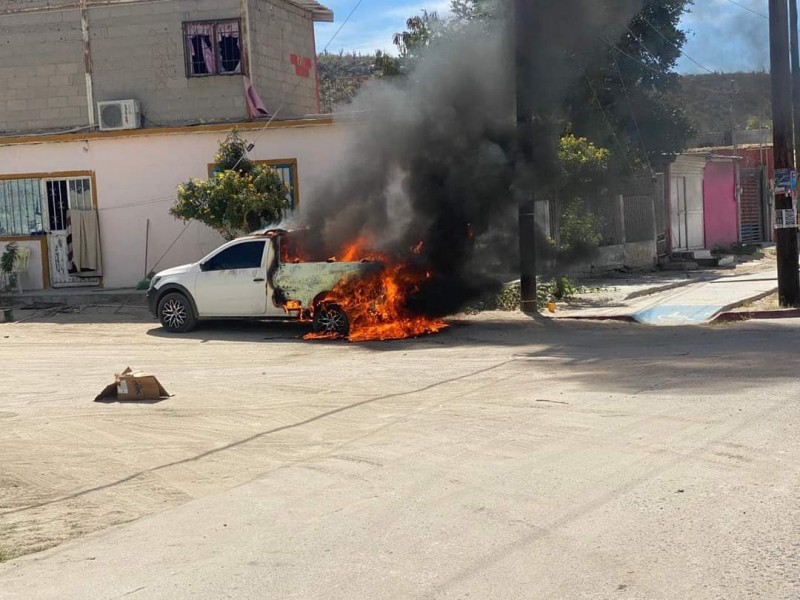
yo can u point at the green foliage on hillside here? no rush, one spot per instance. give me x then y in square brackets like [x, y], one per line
[342, 75]
[713, 102]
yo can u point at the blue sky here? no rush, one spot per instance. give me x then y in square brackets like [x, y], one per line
[722, 35]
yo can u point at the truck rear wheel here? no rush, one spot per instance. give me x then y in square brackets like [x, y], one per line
[331, 319]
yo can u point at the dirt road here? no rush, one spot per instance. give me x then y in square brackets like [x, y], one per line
[500, 458]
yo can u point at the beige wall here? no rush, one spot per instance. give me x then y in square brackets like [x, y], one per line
[42, 83]
[138, 52]
[279, 30]
[137, 176]
[33, 278]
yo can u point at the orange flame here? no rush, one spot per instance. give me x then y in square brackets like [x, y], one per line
[376, 304]
[356, 251]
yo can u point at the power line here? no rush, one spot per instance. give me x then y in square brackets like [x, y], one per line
[142, 203]
[610, 126]
[671, 43]
[748, 9]
[651, 67]
[633, 116]
[330, 41]
[294, 87]
[256, 134]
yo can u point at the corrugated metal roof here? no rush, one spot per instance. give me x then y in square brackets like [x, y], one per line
[321, 14]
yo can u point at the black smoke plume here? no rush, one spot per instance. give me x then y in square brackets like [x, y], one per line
[431, 158]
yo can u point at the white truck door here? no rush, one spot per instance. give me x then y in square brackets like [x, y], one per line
[233, 282]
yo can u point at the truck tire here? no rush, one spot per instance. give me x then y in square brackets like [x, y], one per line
[176, 314]
[330, 319]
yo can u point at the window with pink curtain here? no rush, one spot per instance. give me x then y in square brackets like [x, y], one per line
[200, 48]
[230, 53]
[213, 48]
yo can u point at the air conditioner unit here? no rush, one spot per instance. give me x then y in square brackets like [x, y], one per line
[119, 114]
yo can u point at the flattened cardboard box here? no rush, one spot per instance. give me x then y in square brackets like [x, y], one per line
[133, 385]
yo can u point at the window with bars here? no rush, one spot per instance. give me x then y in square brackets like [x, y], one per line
[33, 206]
[64, 195]
[212, 48]
[21, 207]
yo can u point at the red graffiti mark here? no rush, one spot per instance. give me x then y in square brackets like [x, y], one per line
[302, 65]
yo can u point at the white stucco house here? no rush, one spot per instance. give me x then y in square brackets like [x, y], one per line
[111, 104]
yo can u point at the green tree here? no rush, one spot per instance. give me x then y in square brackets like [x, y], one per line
[583, 169]
[239, 198]
[627, 97]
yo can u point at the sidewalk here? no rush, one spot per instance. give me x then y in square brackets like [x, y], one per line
[694, 303]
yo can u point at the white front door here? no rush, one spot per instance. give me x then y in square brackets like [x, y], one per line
[233, 282]
[61, 195]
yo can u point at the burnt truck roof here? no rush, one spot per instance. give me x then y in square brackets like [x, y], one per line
[271, 233]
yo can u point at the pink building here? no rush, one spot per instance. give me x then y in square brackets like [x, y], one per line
[718, 197]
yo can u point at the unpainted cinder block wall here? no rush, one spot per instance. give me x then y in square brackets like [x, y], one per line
[138, 52]
[280, 30]
[42, 82]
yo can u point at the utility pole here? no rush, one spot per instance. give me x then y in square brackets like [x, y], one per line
[523, 24]
[783, 147]
[795, 78]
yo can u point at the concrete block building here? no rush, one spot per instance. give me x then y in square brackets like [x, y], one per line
[107, 105]
[183, 61]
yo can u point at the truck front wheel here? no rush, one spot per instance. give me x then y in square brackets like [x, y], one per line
[176, 314]
[330, 319]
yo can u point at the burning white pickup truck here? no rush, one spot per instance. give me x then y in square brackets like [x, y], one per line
[254, 277]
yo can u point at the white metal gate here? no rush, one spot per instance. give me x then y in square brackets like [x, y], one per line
[61, 195]
[686, 212]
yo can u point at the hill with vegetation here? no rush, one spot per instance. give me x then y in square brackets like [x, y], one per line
[712, 101]
[715, 101]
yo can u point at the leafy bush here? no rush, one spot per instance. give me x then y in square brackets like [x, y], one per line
[240, 197]
[510, 298]
[579, 232]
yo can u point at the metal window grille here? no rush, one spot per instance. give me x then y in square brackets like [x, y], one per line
[212, 48]
[64, 195]
[21, 207]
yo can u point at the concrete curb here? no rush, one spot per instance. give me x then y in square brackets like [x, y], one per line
[619, 318]
[733, 317]
[660, 288]
[729, 307]
[723, 315]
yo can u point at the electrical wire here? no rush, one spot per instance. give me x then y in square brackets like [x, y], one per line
[255, 135]
[283, 101]
[610, 125]
[143, 203]
[748, 9]
[333, 37]
[633, 117]
[153, 268]
[651, 67]
[671, 43]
